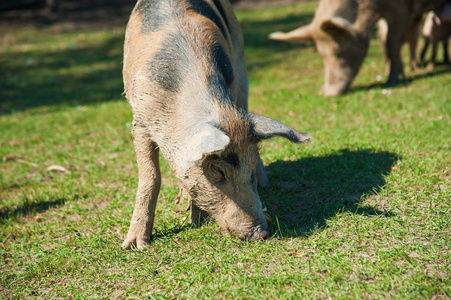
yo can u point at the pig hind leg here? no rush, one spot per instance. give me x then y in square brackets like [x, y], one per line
[425, 48]
[413, 52]
[430, 65]
[141, 223]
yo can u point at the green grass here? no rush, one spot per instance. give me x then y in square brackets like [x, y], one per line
[361, 212]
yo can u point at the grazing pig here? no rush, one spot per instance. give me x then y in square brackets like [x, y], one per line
[341, 31]
[185, 79]
[437, 28]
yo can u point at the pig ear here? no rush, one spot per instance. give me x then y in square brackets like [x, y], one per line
[301, 34]
[338, 27]
[266, 128]
[203, 140]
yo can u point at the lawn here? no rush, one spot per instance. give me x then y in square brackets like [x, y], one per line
[363, 211]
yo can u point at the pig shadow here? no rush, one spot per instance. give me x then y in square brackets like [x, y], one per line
[438, 70]
[304, 194]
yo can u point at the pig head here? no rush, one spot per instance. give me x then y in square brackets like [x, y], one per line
[341, 31]
[185, 80]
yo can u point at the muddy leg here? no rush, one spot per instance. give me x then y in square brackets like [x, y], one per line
[148, 188]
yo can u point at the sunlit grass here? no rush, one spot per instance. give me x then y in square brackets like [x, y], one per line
[361, 212]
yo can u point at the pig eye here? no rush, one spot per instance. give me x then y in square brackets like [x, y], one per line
[217, 173]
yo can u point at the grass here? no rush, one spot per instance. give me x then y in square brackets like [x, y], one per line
[362, 212]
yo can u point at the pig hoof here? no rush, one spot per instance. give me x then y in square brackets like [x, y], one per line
[262, 235]
[132, 242]
[257, 236]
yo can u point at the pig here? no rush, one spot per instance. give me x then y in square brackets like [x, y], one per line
[341, 31]
[186, 82]
[437, 28]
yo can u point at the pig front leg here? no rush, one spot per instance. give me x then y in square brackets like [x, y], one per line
[141, 223]
[395, 39]
[413, 43]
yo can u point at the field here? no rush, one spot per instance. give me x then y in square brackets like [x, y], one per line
[363, 211]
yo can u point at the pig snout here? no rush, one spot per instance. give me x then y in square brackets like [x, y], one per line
[262, 235]
[256, 235]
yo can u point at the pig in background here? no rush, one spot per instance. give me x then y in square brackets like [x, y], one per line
[341, 31]
[186, 82]
[436, 29]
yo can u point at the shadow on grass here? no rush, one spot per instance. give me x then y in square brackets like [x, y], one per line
[439, 69]
[79, 13]
[167, 233]
[29, 208]
[76, 75]
[303, 194]
[38, 78]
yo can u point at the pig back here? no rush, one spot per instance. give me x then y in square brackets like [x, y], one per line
[183, 59]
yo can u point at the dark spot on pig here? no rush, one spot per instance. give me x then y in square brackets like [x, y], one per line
[232, 159]
[223, 63]
[165, 66]
[222, 12]
[204, 9]
[151, 21]
[218, 89]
